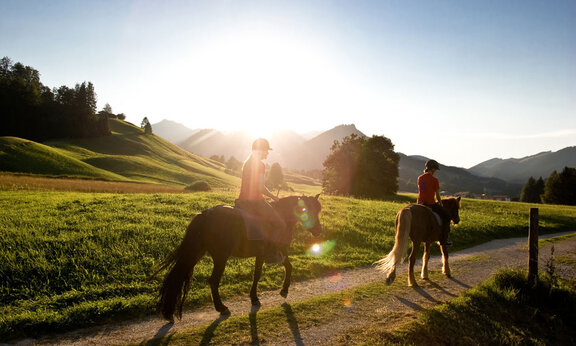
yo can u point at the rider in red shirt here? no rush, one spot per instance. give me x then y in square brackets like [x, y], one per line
[429, 192]
[251, 198]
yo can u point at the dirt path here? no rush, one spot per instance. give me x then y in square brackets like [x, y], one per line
[469, 268]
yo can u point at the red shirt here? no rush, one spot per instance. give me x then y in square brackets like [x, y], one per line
[253, 172]
[427, 187]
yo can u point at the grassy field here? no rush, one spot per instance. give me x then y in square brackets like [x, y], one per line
[128, 155]
[70, 259]
[503, 311]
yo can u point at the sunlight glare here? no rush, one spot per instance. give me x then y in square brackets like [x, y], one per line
[256, 81]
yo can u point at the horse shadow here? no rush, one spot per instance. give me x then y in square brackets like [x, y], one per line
[293, 323]
[209, 332]
[160, 337]
[255, 339]
[442, 289]
[290, 317]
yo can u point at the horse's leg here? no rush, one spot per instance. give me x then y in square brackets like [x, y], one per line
[217, 271]
[391, 276]
[413, 254]
[425, 259]
[445, 265]
[287, 277]
[257, 274]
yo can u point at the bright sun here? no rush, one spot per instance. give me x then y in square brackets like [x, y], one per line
[256, 81]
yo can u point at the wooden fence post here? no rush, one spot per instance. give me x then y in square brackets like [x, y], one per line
[533, 245]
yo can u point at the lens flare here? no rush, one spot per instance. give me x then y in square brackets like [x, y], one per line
[316, 249]
[320, 249]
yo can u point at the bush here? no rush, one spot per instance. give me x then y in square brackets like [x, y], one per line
[198, 186]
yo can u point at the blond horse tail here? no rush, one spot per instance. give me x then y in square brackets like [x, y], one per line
[403, 224]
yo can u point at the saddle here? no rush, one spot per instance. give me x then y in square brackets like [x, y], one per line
[255, 227]
[435, 214]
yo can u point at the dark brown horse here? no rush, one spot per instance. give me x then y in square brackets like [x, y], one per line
[220, 231]
[419, 224]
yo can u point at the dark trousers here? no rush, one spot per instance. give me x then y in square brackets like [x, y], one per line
[268, 215]
[445, 216]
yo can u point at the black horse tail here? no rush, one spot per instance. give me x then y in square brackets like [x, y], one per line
[181, 263]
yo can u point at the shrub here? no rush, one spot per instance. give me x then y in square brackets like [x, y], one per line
[198, 186]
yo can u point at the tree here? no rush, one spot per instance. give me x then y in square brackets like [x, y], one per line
[146, 126]
[560, 187]
[107, 108]
[233, 164]
[532, 190]
[361, 167]
[28, 109]
[275, 176]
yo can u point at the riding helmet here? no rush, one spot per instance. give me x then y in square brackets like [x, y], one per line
[261, 144]
[432, 164]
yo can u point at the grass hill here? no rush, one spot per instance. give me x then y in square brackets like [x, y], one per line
[127, 155]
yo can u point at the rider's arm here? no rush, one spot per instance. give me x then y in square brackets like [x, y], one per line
[438, 197]
[264, 190]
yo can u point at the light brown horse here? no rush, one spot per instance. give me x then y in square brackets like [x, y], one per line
[418, 223]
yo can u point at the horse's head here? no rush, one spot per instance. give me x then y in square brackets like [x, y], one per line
[305, 209]
[452, 205]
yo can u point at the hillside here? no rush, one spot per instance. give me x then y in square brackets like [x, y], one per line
[127, 155]
[312, 153]
[172, 131]
[452, 179]
[519, 170]
[290, 149]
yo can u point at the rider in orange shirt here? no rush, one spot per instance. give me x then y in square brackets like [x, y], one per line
[251, 198]
[429, 192]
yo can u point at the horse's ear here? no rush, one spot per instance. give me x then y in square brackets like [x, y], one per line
[318, 195]
[459, 198]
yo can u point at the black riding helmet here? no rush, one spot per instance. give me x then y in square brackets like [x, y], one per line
[432, 164]
[261, 144]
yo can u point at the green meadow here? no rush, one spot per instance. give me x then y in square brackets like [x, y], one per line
[70, 259]
[128, 155]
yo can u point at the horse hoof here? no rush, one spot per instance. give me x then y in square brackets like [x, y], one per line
[390, 279]
[225, 312]
[284, 293]
[413, 284]
[256, 303]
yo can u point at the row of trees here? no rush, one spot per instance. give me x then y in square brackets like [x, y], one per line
[361, 167]
[559, 188]
[31, 110]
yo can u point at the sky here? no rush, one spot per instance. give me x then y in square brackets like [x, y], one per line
[458, 81]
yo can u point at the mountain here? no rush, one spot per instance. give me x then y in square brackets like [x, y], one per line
[311, 154]
[172, 131]
[452, 179]
[520, 170]
[290, 149]
[126, 155]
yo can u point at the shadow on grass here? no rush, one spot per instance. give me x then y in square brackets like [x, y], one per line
[293, 323]
[209, 332]
[255, 339]
[409, 303]
[160, 337]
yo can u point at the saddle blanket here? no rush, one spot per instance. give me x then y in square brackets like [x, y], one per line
[254, 226]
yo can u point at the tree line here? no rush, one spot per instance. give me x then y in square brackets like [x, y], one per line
[559, 188]
[31, 110]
